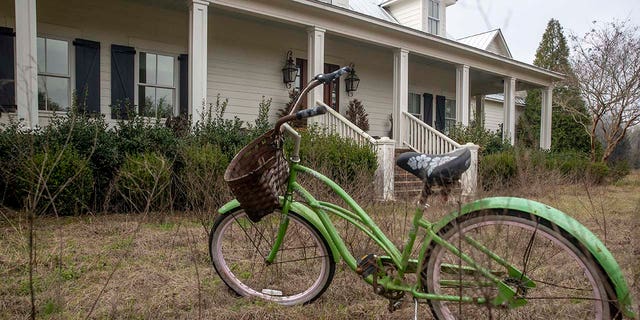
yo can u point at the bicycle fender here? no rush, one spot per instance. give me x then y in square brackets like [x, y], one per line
[303, 211]
[568, 224]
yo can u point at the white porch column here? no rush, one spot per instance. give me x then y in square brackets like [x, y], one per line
[400, 93]
[509, 107]
[26, 62]
[316, 61]
[462, 94]
[479, 117]
[197, 59]
[545, 118]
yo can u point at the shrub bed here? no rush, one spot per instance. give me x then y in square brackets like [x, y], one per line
[141, 160]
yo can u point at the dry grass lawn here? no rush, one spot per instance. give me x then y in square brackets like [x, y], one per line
[158, 267]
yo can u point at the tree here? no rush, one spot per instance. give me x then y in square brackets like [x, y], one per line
[567, 131]
[357, 115]
[606, 70]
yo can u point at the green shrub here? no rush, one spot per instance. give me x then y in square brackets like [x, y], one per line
[597, 172]
[214, 129]
[91, 138]
[56, 180]
[344, 158]
[144, 180]
[490, 142]
[201, 176]
[497, 169]
[16, 144]
[140, 135]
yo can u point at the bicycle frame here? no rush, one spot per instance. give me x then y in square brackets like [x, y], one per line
[401, 259]
[317, 213]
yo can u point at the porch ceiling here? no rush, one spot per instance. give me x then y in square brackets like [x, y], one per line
[381, 33]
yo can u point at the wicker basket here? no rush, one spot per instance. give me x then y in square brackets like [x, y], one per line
[257, 175]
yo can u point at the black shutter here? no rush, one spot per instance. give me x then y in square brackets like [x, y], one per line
[184, 85]
[7, 71]
[427, 110]
[122, 80]
[88, 75]
[440, 110]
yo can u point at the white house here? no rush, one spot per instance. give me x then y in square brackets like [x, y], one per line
[172, 56]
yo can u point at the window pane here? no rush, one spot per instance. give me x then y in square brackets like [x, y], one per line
[165, 71]
[57, 57]
[433, 26]
[41, 55]
[57, 93]
[450, 109]
[147, 68]
[414, 104]
[164, 102]
[42, 93]
[435, 9]
[146, 101]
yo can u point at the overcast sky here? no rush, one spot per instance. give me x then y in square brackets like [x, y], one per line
[523, 21]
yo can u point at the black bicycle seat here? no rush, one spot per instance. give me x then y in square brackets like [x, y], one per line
[439, 169]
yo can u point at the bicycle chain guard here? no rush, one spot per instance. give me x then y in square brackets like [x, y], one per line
[372, 265]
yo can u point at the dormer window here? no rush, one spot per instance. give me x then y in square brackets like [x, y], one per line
[434, 17]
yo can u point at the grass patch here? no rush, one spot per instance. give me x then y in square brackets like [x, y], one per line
[158, 278]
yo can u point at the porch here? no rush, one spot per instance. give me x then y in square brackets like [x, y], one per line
[413, 85]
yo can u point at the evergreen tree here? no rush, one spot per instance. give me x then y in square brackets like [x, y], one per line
[567, 132]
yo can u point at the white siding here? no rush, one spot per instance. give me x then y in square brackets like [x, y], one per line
[496, 46]
[245, 61]
[493, 115]
[409, 13]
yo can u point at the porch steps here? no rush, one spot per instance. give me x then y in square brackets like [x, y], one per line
[406, 185]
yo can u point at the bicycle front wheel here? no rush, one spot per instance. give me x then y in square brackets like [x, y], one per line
[301, 272]
[569, 284]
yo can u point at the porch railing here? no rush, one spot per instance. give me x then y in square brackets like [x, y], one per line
[338, 124]
[425, 139]
[335, 123]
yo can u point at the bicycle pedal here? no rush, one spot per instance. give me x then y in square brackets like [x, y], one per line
[368, 265]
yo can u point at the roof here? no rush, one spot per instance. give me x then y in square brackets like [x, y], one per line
[371, 8]
[499, 97]
[483, 40]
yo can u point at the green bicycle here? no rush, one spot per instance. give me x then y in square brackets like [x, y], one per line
[497, 257]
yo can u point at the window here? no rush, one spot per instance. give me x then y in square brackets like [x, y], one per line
[434, 17]
[449, 114]
[54, 79]
[414, 105]
[156, 85]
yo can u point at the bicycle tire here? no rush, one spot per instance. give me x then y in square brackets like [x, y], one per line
[302, 271]
[570, 284]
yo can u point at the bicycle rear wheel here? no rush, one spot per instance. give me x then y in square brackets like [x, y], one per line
[569, 282]
[301, 272]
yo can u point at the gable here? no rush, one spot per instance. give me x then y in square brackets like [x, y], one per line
[492, 41]
[498, 46]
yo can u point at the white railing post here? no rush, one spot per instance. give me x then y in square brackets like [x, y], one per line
[469, 178]
[384, 177]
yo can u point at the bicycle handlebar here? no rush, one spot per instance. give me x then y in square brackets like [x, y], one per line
[316, 81]
[307, 113]
[328, 77]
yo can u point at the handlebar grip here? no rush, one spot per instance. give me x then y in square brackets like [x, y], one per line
[328, 77]
[311, 112]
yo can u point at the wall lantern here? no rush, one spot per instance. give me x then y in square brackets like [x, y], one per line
[352, 81]
[289, 71]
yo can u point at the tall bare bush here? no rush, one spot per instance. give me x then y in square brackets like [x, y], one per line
[606, 69]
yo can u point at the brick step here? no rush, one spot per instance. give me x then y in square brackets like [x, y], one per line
[407, 186]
